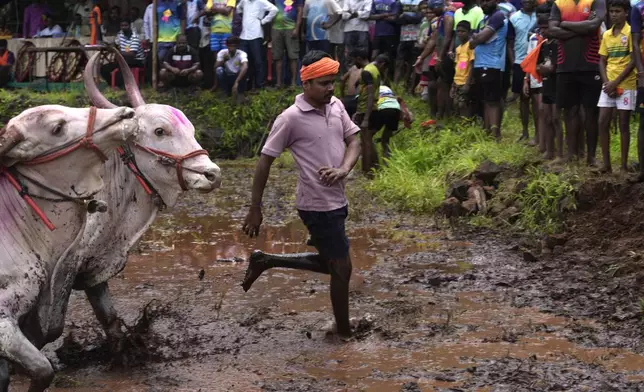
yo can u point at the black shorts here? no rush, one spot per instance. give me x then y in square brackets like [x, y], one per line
[548, 99]
[350, 104]
[518, 77]
[386, 45]
[446, 71]
[327, 232]
[432, 74]
[578, 88]
[407, 52]
[640, 100]
[488, 82]
[387, 118]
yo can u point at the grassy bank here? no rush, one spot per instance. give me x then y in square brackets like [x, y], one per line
[425, 162]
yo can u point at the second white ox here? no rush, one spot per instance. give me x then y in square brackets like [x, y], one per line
[169, 160]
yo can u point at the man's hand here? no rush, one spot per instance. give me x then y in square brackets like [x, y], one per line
[253, 221]
[526, 88]
[640, 78]
[418, 64]
[184, 72]
[326, 26]
[329, 175]
[610, 89]
[294, 33]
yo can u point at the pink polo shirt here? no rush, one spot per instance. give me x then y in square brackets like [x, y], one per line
[316, 140]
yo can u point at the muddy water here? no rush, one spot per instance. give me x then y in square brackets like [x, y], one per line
[434, 312]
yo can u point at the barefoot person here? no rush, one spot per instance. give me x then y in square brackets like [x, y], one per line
[324, 142]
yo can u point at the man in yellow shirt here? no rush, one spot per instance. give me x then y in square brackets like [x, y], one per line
[463, 62]
[616, 68]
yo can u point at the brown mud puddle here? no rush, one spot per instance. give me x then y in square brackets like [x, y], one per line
[435, 313]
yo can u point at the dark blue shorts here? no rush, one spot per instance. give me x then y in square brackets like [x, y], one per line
[327, 232]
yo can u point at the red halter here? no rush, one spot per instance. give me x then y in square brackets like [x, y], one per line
[58, 152]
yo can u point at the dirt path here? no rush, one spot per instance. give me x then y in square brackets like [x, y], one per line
[437, 311]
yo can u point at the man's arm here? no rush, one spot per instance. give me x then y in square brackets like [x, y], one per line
[367, 79]
[482, 37]
[254, 218]
[448, 28]
[242, 72]
[272, 12]
[428, 50]
[365, 10]
[554, 28]
[591, 25]
[298, 21]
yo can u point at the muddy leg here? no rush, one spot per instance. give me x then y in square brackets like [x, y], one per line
[17, 348]
[592, 132]
[101, 301]
[625, 136]
[4, 375]
[340, 277]
[260, 262]
[605, 116]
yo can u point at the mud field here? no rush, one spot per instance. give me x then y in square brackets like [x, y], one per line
[436, 310]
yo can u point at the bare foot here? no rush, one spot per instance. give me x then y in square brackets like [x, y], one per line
[256, 266]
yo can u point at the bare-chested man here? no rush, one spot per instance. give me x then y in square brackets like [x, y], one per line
[350, 81]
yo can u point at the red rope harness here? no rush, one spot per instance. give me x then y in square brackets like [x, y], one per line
[87, 141]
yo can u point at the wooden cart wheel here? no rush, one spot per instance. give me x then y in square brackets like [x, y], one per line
[75, 62]
[56, 67]
[25, 62]
[107, 57]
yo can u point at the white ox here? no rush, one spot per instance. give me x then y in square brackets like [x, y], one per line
[166, 138]
[52, 159]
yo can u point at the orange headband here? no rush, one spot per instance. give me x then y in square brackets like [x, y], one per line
[318, 69]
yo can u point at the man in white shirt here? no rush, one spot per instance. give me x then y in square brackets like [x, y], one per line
[356, 26]
[336, 38]
[255, 14]
[147, 23]
[52, 29]
[137, 22]
[231, 68]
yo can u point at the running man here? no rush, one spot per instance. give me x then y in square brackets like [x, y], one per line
[324, 142]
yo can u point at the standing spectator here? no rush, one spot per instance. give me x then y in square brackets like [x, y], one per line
[576, 26]
[80, 7]
[507, 8]
[616, 68]
[34, 18]
[205, 54]
[255, 14]
[231, 68]
[519, 29]
[221, 23]
[320, 15]
[51, 29]
[637, 24]
[181, 65]
[385, 13]
[336, 38]
[463, 79]
[356, 13]
[7, 59]
[137, 22]
[470, 12]
[129, 44]
[95, 22]
[410, 21]
[193, 10]
[171, 21]
[78, 28]
[285, 37]
[147, 24]
[113, 25]
[489, 45]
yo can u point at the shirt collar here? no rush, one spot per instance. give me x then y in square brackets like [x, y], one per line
[304, 106]
[626, 30]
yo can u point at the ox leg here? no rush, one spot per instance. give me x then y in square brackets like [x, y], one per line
[101, 301]
[4, 375]
[17, 348]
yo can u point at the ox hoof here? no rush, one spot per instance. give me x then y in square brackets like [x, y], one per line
[96, 206]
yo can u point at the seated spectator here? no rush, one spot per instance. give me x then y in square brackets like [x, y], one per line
[7, 59]
[51, 29]
[78, 28]
[130, 47]
[231, 68]
[181, 65]
[33, 20]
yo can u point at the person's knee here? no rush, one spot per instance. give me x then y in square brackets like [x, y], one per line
[196, 76]
[340, 267]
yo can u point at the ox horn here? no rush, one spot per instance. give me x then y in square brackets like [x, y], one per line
[132, 88]
[8, 139]
[89, 77]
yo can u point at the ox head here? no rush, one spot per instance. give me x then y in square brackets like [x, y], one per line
[51, 131]
[162, 128]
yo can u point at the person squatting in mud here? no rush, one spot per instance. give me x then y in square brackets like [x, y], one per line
[324, 142]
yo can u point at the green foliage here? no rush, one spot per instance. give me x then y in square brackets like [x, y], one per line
[542, 199]
[224, 128]
[424, 162]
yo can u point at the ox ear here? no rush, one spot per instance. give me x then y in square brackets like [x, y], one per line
[9, 138]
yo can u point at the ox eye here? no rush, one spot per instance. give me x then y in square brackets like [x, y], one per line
[57, 129]
[159, 131]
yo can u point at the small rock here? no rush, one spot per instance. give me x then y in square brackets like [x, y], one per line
[487, 172]
[458, 190]
[470, 206]
[510, 214]
[452, 208]
[410, 387]
[529, 257]
[550, 241]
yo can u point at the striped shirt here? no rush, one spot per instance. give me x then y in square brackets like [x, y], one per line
[132, 44]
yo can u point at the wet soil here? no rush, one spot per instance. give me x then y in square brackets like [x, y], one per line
[436, 309]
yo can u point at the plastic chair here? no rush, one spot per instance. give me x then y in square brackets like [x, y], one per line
[138, 72]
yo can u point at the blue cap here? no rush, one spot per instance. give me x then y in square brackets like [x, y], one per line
[436, 4]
